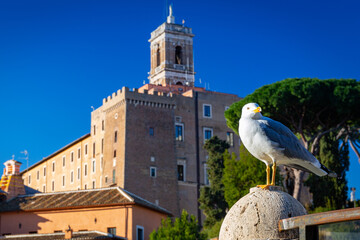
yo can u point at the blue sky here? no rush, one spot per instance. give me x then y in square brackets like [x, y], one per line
[59, 58]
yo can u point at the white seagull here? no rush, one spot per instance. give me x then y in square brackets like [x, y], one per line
[273, 143]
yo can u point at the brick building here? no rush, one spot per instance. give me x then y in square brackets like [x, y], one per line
[147, 140]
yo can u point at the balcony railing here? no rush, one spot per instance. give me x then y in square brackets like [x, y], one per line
[308, 225]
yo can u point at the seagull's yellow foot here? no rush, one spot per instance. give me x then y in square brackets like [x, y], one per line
[266, 186]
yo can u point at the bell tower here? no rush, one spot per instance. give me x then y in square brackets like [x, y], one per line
[171, 47]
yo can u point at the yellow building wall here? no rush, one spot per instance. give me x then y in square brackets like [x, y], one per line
[60, 172]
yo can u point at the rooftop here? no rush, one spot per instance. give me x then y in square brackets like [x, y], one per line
[103, 197]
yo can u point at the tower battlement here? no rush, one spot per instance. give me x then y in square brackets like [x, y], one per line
[134, 96]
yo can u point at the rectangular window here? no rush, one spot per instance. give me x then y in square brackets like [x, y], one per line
[44, 171]
[52, 185]
[115, 137]
[151, 131]
[53, 166]
[93, 165]
[94, 129]
[180, 172]
[79, 153]
[93, 184]
[230, 138]
[86, 149]
[139, 233]
[106, 178]
[112, 230]
[72, 156]
[44, 188]
[85, 187]
[29, 179]
[93, 150]
[37, 175]
[71, 176]
[103, 125]
[114, 153]
[208, 132]
[63, 161]
[207, 111]
[113, 177]
[63, 180]
[153, 172]
[102, 145]
[78, 173]
[85, 169]
[179, 132]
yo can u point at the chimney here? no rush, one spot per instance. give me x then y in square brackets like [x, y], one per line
[11, 182]
[68, 233]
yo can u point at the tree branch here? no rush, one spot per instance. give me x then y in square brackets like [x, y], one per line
[316, 139]
[318, 116]
[355, 150]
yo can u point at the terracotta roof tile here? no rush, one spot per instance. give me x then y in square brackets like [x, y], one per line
[76, 199]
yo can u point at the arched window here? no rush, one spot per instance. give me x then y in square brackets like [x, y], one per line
[178, 55]
[158, 57]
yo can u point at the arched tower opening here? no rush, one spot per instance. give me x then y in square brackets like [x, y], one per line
[178, 55]
[158, 57]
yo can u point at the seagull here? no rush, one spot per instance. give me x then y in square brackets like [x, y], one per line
[273, 143]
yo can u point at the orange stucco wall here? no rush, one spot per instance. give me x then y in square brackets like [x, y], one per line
[147, 219]
[125, 219]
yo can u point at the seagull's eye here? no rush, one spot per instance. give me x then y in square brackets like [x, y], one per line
[248, 108]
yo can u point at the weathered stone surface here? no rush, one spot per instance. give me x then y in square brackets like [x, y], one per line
[256, 215]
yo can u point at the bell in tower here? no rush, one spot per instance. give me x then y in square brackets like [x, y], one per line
[171, 47]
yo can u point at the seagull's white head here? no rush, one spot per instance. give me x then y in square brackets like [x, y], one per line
[251, 110]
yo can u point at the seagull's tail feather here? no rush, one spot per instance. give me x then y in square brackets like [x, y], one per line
[329, 172]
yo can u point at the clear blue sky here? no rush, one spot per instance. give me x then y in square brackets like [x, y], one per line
[59, 58]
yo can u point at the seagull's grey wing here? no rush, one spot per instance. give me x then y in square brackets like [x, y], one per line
[286, 140]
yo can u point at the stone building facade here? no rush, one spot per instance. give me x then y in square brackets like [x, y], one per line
[147, 140]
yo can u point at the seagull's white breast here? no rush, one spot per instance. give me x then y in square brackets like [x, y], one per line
[255, 140]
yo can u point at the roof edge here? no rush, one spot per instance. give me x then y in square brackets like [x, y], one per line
[55, 153]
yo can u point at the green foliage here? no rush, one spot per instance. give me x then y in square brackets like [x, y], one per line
[184, 228]
[214, 230]
[331, 193]
[315, 102]
[212, 199]
[242, 174]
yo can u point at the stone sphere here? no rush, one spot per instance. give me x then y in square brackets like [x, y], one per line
[256, 215]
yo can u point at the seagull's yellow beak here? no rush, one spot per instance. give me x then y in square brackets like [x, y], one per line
[257, 110]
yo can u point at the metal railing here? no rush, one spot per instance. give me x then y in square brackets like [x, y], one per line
[308, 225]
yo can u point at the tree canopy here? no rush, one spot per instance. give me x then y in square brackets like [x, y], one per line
[311, 108]
[184, 228]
